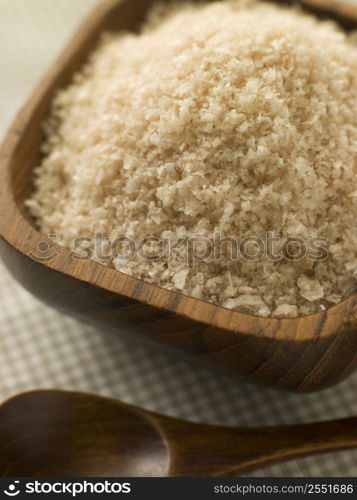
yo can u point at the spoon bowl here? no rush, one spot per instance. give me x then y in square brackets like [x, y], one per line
[303, 354]
[55, 433]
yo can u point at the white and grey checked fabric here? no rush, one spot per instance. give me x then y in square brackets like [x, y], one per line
[40, 348]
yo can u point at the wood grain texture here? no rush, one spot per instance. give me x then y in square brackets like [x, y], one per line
[303, 354]
[66, 434]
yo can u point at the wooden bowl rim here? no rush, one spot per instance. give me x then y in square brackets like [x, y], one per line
[303, 328]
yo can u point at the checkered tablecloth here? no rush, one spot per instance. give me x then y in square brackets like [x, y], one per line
[40, 348]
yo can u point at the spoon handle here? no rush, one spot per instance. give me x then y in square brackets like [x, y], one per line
[207, 450]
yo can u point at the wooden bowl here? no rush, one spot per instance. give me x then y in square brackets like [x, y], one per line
[303, 354]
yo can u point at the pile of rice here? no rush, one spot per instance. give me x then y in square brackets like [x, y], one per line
[233, 117]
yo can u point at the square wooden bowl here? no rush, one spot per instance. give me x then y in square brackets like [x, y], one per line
[303, 354]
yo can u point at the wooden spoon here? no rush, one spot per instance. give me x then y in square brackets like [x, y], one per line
[55, 433]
